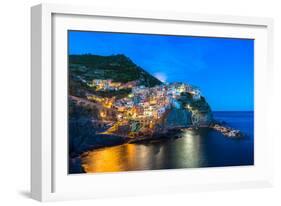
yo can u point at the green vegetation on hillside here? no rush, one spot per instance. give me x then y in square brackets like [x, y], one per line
[119, 68]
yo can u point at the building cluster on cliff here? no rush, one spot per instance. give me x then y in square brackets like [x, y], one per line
[110, 85]
[153, 102]
[144, 104]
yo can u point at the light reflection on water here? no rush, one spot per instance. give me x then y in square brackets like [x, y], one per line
[180, 153]
[196, 148]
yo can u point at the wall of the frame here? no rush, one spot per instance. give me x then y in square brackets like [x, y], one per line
[15, 101]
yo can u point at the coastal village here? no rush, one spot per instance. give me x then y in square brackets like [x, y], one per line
[142, 112]
[143, 102]
[133, 103]
[145, 107]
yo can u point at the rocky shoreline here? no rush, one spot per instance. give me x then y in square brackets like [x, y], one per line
[227, 131]
[75, 160]
[115, 139]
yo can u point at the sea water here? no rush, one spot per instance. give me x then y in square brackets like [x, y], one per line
[195, 149]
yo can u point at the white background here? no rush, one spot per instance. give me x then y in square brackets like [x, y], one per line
[15, 101]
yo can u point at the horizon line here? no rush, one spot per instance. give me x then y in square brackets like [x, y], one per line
[233, 110]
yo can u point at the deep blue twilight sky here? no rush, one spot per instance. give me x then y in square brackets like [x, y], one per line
[222, 68]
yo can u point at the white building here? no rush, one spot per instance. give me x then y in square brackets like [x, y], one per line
[196, 94]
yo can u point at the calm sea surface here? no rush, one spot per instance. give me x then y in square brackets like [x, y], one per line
[195, 149]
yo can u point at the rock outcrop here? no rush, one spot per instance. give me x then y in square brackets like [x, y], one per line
[178, 118]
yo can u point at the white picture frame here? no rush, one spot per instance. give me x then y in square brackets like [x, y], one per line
[49, 178]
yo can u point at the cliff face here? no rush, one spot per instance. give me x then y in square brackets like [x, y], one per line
[202, 119]
[192, 112]
[178, 118]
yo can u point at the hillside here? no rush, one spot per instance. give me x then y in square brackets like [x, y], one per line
[119, 68]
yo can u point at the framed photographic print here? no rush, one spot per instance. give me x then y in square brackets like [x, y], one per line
[123, 101]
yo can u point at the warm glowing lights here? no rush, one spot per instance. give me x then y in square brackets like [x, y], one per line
[144, 105]
[113, 159]
[110, 85]
[102, 114]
